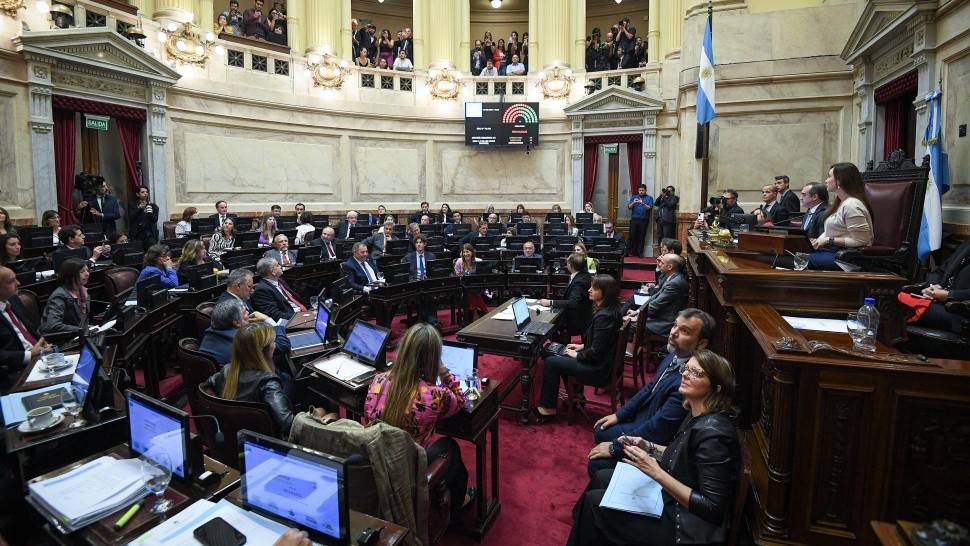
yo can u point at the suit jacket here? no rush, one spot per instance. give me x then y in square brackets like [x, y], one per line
[227, 296]
[141, 225]
[600, 343]
[218, 343]
[954, 274]
[341, 230]
[622, 244]
[657, 410]
[278, 256]
[356, 274]
[61, 314]
[579, 308]
[815, 225]
[109, 208]
[776, 214]
[269, 301]
[11, 348]
[228, 215]
[377, 244]
[412, 260]
[790, 202]
[670, 299]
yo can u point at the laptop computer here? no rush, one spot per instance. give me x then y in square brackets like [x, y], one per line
[319, 336]
[297, 486]
[524, 323]
[461, 360]
[88, 364]
[359, 356]
[155, 425]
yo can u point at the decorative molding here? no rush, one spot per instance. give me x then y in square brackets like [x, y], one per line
[893, 61]
[41, 127]
[327, 71]
[445, 84]
[42, 72]
[188, 45]
[556, 83]
[11, 7]
[100, 86]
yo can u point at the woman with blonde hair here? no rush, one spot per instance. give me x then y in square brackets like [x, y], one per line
[408, 397]
[571, 228]
[194, 253]
[223, 240]
[591, 263]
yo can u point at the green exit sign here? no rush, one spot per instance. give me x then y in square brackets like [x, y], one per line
[610, 148]
[98, 123]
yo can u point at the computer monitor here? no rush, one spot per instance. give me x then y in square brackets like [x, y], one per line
[145, 290]
[486, 266]
[461, 359]
[286, 222]
[397, 247]
[430, 229]
[482, 244]
[522, 264]
[397, 273]
[63, 254]
[441, 267]
[515, 242]
[340, 290]
[527, 228]
[36, 237]
[584, 217]
[156, 426]
[118, 305]
[203, 225]
[359, 233]
[554, 229]
[592, 230]
[86, 375]
[321, 221]
[496, 229]
[606, 243]
[24, 266]
[201, 276]
[247, 239]
[460, 230]
[555, 218]
[92, 232]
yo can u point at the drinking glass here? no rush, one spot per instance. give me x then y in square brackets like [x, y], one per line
[156, 470]
[314, 302]
[744, 228]
[474, 386]
[47, 360]
[801, 261]
[72, 405]
[857, 326]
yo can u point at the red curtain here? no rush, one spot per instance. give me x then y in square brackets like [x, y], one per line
[130, 131]
[634, 157]
[895, 126]
[64, 159]
[590, 158]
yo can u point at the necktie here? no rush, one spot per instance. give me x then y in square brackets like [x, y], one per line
[99, 204]
[367, 271]
[294, 301]
[674, 367]
[330, 253]
[284, 257]
[806, 221]
[421, 265]
[16, 322]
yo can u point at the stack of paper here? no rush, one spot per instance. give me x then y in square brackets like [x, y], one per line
[631, 490]
[91, 491]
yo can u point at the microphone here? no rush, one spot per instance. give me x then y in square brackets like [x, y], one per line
[775, 260]
[219, 437]
[792, 218]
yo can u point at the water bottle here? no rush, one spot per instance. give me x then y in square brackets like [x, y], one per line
[869, 311]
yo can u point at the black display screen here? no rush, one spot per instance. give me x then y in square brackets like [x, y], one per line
[501, 124]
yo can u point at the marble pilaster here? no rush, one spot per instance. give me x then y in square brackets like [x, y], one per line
[39, 87]
[553, 17]
[443, 42]
[155, 151]
[175, 10]
[576, 162]
[463, 62]
[204, 15]
[577, 49]
[144, 6]
[323, 29]
[295, 33]
[653, 32]
[420, 30]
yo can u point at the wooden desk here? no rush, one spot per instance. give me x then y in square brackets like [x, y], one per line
[160, 321]
[892, 534]
[837, 441]
[385, 298]
[498, 337]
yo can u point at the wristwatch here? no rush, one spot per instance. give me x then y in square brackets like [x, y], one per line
[612, 451]
[831, 240]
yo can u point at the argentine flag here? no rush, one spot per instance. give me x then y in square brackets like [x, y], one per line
[705, 84]
[931, 229]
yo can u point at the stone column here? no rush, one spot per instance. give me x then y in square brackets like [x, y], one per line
[155, 171]
[39, 87]
[671, 29]
[463, 62]
[866, 122]
[295, 33]
[81, 16]
[419, 32]
[204, 15]
[554, 44]
[182, 11]
[577, 43]
[653, 32]
[322, 28]
[576, 154]
[535, 48]
[443, 42]
[146, 7]
[923, 27]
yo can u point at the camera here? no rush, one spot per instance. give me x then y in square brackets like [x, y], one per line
[87, 183]
[596, 32]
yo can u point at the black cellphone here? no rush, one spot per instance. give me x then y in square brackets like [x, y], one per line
[218, 532]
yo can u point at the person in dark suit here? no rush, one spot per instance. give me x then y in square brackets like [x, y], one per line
[609, 231]
[529, 251]
[418, 260]
[281, 251]
[655, 412]
[669, 298]
[578, 307]
[425, 210]
[222, 212]
[72, 238]
[949, 282]
[239, 287]
[729, 206]
[786, 197]
[378, 241]
[143, 218]
[591, 361]
[479, 232]
[815, 197]
[343, 228]
[272, 296]
[19, 339]
[101, 208]
[228, 316]
[329, 249]
[361, 270]
[69, 303]
[770, 210]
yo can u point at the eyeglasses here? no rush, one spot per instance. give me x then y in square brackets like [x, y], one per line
[694, 373]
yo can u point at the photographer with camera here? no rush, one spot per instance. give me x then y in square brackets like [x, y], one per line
[667, 213]
[143, 218]
[593, 45]
[624, 34]
[608, 59]
[97, 206]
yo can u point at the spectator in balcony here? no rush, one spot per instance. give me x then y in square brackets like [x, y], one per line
[405, 42]
[516, 68]
[626, 59]
[402, 62]
[640, 52]
[369, 43]
[362, 59]
[593, 45]
[499, 57]
[255, 24]
[277, 36]
[278, 6]
[608, 58]
[514, 45]
[488, 46]
[382, 63]
[222, 26]
[385, 46]
[625, 34]
[489, 69]
[510, 51]
[524, 51]
[478, 58]
[356, 35]
[234, 17]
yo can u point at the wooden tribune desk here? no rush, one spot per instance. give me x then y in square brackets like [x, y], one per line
[498, 337]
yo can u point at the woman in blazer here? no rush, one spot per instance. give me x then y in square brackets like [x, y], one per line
[68, 303]
[591, 361]
[848, 222]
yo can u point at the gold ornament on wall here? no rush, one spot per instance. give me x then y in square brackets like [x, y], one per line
[185, 44]
[328, 71]
[445, 84]
[556, 83]
[11, 7]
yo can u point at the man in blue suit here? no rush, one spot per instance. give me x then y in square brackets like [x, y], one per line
[361, 270]
[656, 411]
[418, 260]
[101, 208]
[228, 316]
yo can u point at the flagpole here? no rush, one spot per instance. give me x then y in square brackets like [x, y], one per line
[703, 143]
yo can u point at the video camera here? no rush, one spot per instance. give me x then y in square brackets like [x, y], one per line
[87, 183]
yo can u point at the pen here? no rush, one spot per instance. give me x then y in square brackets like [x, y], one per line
[128, 515]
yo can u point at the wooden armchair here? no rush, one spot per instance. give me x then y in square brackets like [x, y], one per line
[895, 190]
[233, 416]
[939, 343]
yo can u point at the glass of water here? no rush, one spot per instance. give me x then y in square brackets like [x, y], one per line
[48, 360]
[156, 470]
[801, 261]
[314, 302]
[857, 326]
[72, 405]
[474, 387]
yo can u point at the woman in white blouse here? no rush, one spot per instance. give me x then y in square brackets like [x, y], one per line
[848, 222]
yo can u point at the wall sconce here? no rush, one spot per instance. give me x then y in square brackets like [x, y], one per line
[327, 71]
[136, 34]
[11, 7]
[59, 15]
[185, 44]
[590, 87]
[556, 83]
[445, 84]
[638, 83]
[496, 4]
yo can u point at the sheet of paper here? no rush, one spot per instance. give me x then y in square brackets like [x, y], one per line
[342, 367]
[633, 491]
[14, 411]
[37, 373]
[640, 299]
[178, 529]
[98, 486]
[106, 326]
[817, 324]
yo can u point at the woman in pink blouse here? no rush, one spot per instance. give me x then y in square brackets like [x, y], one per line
[408, 397]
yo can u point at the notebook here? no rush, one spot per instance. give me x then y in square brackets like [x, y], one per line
[313, 338]
[296, 485]
[524, 322]
[359, 355]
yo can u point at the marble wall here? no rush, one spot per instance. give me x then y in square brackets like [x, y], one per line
[16, 189]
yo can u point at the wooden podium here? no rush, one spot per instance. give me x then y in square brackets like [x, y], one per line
[755, 241]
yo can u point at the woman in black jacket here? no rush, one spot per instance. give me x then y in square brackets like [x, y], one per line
[591, 361]
[697, 472]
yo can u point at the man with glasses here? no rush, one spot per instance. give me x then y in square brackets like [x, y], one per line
[272, 296]
[656, 412]
[227, 318]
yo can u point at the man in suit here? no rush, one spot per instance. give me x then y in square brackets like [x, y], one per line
[361, 270]
[610, 231]
[19, 339]
[770, 210]
[786, 197]
[378, 241]
[101, 208]
[329, 249]
[143, 218]
[418, 260]
[281, 251]
[456, 219]
[578, 307]
[239, 287]
[228, 316]
[656, 412]
[815, 197]
[272, 296]
[343, 228]
[72, 238]
[480, 233]
[669, 297]
[416, 217]
[529, 251]
[222, 212]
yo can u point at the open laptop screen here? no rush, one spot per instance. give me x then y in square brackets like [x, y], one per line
[87, 365]
[297, 484]
[366, 341]
[460, 358]
[520, 308]
[323, 319]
